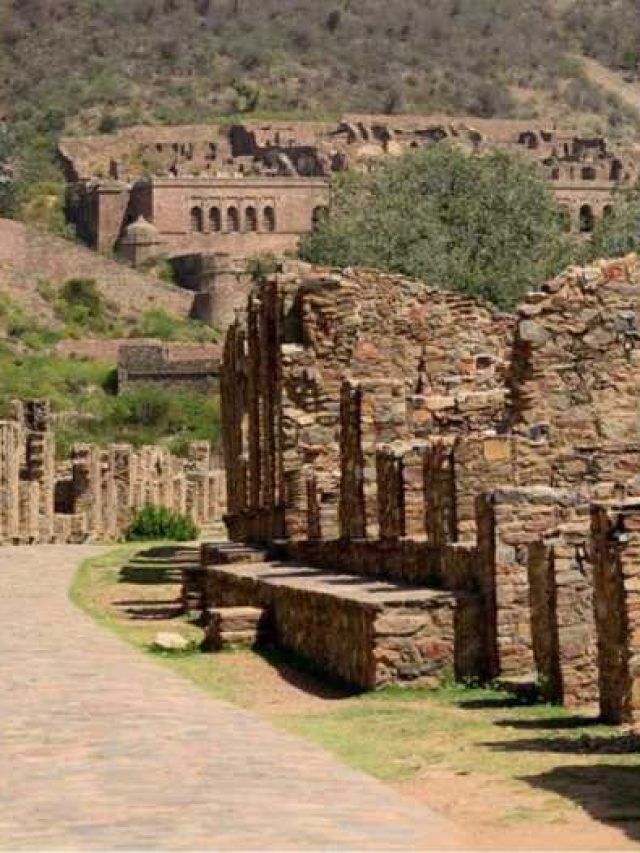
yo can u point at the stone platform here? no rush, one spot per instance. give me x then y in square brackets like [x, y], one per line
[365, 631]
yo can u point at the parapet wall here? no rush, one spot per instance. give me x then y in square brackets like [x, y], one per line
[91, 496]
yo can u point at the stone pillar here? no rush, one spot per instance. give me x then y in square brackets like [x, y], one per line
[123, 470]
[40, 463]
[616, 546]
[351, 508]
[390, 493]
[509, 521]
[87, 487]
[562, 619]
[10, 442]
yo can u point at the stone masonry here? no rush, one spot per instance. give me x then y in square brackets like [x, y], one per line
[91, 497]
[387, 432]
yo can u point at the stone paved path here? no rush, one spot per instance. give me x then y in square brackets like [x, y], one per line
[101, 748]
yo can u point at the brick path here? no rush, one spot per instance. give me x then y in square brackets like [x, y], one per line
[101, 748]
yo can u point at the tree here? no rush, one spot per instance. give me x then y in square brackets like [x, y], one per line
[617, 233]
[486, 225]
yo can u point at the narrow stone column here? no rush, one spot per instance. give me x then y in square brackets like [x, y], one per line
[616, 546]
[10, 441]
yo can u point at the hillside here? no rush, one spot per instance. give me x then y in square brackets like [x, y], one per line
[34, 266]
[125, 62]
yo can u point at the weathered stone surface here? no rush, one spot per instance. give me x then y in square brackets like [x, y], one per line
[91, 497]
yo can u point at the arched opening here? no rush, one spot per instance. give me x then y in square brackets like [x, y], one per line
[565, 217]
[555, 173]
[269, 219]
[588, 173]
[607, 211]
[215, 219]
[616, 171]
[586, 219]
[319, 215]
[251, 219]
[197, 222]
[233, 219]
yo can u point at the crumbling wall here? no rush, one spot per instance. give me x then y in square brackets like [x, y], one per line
[308, 332]
[92, 496]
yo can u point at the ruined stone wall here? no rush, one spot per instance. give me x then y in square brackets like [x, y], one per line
[153, 364]
[575, 367]
[305, 335]
[92, 496]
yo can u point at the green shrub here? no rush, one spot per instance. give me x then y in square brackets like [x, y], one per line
[158, 522]
[81, 306]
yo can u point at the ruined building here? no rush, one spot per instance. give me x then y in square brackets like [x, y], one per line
[92, 495]
[186, 367]
[421, 486]
[256, 188]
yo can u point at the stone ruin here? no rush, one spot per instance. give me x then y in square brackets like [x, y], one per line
[91, 497]
[187, 367]
[419, 486]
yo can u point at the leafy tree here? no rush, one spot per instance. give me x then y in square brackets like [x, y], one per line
[618, 233]
[486, 225]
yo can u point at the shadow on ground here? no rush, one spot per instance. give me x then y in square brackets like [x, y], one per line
[609, 793]
[158, 566]
[301, 674]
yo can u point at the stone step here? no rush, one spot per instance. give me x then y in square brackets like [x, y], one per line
[235, 626]
[226, 553]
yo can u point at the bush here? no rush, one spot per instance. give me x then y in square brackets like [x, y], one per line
[81, 305]
[158, 522]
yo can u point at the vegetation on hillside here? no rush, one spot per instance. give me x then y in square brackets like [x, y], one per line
[483, 225]
[608, 30]
[117, 63]
[83, 391]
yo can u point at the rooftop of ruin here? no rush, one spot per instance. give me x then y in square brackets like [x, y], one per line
[231, 149]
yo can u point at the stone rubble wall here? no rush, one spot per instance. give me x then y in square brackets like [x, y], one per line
[383, 428]
[92, 496]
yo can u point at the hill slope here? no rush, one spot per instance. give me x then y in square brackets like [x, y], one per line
[180, 61]
[35, 265]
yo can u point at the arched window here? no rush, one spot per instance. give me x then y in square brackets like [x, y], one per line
[319, 214]
[196, 219]
[607, 211]
[251, 219]
[565, 217]
[588, 173]
[269, 219]
[233, 219]
[555, 173]
[215, 219]
[586, 219]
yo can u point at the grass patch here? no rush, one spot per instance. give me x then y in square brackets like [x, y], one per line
[542, 757]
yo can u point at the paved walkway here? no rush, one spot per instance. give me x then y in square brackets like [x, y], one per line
[101, 748]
